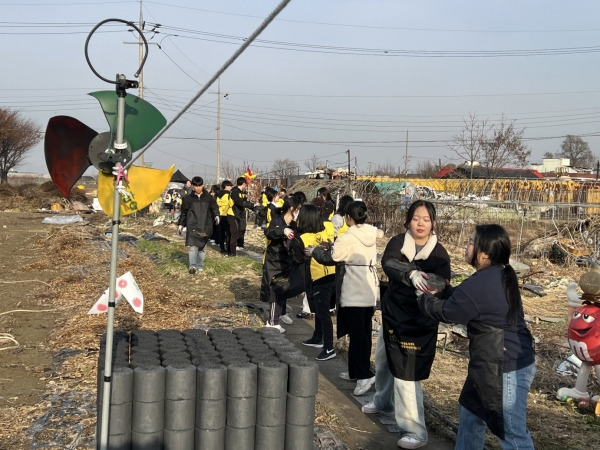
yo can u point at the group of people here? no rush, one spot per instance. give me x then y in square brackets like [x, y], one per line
[330, 255]
[218, 215]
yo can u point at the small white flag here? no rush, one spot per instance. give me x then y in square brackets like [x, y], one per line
[125, 287]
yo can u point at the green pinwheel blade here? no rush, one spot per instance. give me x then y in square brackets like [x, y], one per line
[142, 120]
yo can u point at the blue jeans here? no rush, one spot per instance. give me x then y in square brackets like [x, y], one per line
[404, 398]
[515, 387]
[197, 257]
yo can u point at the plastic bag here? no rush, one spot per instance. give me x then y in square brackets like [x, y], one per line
[62, 220]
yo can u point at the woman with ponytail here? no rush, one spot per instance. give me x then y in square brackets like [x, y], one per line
[501, 356]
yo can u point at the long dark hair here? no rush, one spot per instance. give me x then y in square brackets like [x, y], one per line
[358, 212]
[289, 202]
[413, 207]
[343, 206]
[493, 240]
[310, 220]
[324, 192]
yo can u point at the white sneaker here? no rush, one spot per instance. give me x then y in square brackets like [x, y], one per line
[346, 376]
[370, 408]
[279, 327]
[410, 442]
[362, 386]
[239, 248]
[212, 241]
[286, 319]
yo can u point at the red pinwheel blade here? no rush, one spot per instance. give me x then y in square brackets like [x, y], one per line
[66, 147]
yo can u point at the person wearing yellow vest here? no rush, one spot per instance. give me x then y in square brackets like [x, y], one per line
[223, 204]
[339, 223]
[282, 195]
[236, 215]
[321, 279]
[272, 205]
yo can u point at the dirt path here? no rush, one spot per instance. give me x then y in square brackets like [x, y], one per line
[22, 368]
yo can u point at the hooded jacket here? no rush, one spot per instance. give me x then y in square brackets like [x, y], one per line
[238, 203]
[223, 201]
[197, 215]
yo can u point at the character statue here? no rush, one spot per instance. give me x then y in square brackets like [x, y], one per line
[584, 339]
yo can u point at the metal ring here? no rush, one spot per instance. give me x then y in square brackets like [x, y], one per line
[131, 24]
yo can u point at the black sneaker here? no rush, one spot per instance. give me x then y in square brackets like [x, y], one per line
[304, 315]
[326, 354]
[192, 270]
[313, 343]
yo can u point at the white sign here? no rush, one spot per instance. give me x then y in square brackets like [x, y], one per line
[125, 287]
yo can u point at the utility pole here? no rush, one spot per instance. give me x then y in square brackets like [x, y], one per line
[597, 169]
[406, 157]
[355, 166]
[219, 132]
[348, 151]
[370, 168]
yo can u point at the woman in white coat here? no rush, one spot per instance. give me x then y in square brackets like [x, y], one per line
[357, 290]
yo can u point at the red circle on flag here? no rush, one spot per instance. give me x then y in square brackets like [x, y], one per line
[117, 294]
[102, 307]
[122, 284]
[136, 302]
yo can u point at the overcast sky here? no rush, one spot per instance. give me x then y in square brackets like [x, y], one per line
[332, 72]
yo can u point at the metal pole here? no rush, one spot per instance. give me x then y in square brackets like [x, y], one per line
[348, 151]
[406, 157]
[141, 77]
[219, 132]
[114, 249]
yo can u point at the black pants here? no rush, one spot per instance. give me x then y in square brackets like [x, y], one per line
[234, 234]
[276, 310]
[224, 234]
[358, 322]
[240, 239]
[322, 290]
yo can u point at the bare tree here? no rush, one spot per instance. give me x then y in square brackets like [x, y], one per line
[549, 155]
[467, 145]
[387, 169]
[313, 163]
[577, 150]
[18, 136]
[283, 168]
[504, 148]
[228, 169]
[427, 169]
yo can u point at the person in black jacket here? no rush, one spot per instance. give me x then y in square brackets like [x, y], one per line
[405, 348]
[198, 212]
[278, 264]
[237, 216]
[501, 355]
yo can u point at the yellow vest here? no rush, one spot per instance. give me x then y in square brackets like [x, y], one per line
[343, 229]
[223, 204]
[317, 270]
[230, 205]
[269, 214]
[329, 230]
[263, 200]
[280, 202]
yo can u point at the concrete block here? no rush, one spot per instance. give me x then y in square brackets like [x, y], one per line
[270, 412]
[239, 438]
[279, 351]
[241, 412]
[293, 358]
[206, 360]
[298, 437]
[121, 386]
[241, 380]
[119, 441]
[300, 410]
[180, 414]
[234, 360]
[209, 439]
[303, 379]
[271, 438]
[262, 359]
[178, 439]
[211, 382]
[148, 417]
[147, 441]
[272, 379]
[238, 331]
[211, 414]
[150, 362]
[252, 352]
[119, 422]
[180, 382]
[149, 383]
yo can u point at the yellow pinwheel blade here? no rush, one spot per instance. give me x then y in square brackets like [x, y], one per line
[145, 185]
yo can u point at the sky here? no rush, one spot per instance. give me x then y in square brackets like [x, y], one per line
[326, 76]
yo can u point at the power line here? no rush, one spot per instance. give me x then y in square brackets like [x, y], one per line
[380, 27]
